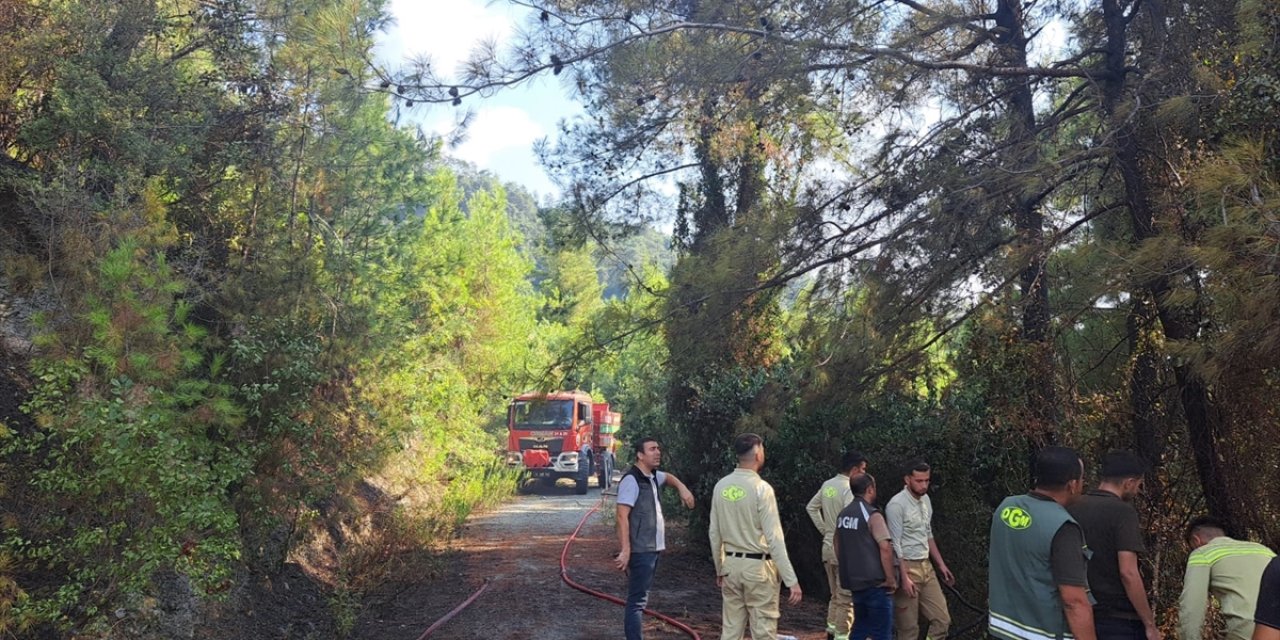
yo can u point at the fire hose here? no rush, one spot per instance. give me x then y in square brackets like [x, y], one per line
[957, 633]
[456, 610]
[564, 575]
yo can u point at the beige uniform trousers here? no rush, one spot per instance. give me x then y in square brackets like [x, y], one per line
[840, 607]
[751, 597]
[928, 602]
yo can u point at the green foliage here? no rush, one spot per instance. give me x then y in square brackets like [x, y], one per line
[266, 298]
[137, 448]
[269, 295]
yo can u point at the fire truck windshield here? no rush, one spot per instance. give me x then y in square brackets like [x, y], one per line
[530, 414]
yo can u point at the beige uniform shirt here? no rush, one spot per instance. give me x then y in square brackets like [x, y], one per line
[744, 518]
[911, 525]
[1230, 570]
[832, 497]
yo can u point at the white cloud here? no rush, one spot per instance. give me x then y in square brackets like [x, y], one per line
[445, 30]
[500, 136]
[493, 132]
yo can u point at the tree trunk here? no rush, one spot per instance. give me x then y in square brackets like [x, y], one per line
[1028, 220]
[1204, 422]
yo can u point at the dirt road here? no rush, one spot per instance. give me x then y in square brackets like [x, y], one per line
[518, 548]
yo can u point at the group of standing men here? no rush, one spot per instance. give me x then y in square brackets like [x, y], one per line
[867, 556]
[747, 543]
[880, 566]
[1063, 562]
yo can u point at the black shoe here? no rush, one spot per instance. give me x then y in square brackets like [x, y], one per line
[831, 636]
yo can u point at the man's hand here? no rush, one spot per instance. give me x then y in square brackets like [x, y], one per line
[621, 561]
[686, 497]
[719, 582]
[947, 576]
[890, 585]
[1153, 632]
[908, 587]
[794, 595]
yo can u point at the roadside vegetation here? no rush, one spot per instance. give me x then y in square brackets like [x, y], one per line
[248, 321]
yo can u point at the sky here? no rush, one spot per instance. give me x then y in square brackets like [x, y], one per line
[506, 125]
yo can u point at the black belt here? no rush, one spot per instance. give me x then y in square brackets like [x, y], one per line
[752, 556]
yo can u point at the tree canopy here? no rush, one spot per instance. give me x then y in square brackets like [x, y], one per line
[246, 314]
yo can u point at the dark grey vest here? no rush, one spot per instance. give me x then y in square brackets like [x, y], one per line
[858, 552]
[644, 515]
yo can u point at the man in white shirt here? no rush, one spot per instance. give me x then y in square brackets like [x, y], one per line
[641, 529]
[910, 518]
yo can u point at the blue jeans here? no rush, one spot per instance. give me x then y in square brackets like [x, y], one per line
[639, 578]
[872, 615]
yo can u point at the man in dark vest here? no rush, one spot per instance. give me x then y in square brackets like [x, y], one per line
[641, 530]
[1038, 587]
[864, 554]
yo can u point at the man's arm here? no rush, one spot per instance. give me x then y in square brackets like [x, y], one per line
[881, 534]
[774, 539]
[943, 571]
[628, 493]
[893, 518]
[1075, 604]
[1071, 573]
[685, 495]
[814, 509]
[624, 537]
[1131, 578]
[771, 527]
[717, 548]
[1194, 601]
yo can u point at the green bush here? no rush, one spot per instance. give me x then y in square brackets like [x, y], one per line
[136, 447]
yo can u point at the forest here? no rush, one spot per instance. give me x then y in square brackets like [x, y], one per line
[248, 318]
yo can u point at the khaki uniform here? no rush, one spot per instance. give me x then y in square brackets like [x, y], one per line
[910, 522]
[1231, 571]
[832, 497]
[744, 521]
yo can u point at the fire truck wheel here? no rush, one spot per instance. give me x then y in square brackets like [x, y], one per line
[582, 480]
[605, 476]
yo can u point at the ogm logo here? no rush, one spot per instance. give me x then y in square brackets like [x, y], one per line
[830, 492]
[733, 493]
[1015, 518]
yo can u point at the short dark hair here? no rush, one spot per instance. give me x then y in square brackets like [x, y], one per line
[745, 443]
[1056, 466]
[637, 447]
[1204, 523]
[859, 484]
[1122, 465]
[850, 460]
[916, 465]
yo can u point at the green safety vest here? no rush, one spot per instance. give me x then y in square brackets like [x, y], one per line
[1024, 601]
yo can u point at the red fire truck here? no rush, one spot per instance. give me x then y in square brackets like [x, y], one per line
[561, 434]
